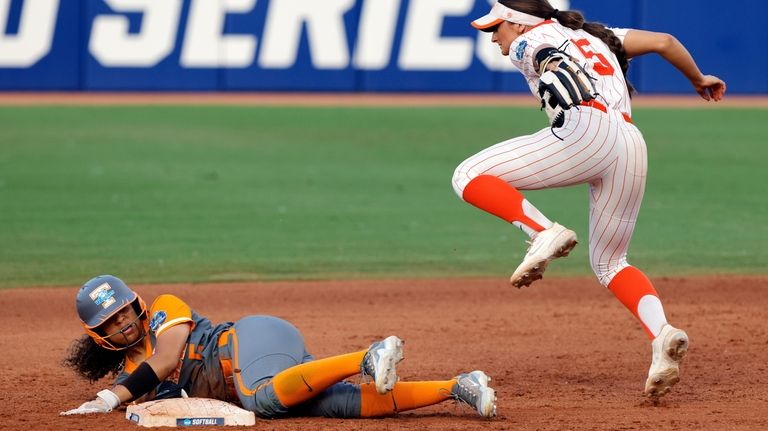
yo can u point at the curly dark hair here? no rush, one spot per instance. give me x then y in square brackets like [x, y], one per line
[91, 361]
[575, 21]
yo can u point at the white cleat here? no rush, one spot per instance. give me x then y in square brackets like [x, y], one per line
[547, 245]
[380, 360]
[472, 389]
[669, 347]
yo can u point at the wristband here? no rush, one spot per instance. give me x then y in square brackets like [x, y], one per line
[141, 381]
[109, 397]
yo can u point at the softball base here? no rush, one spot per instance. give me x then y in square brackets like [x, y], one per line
[182, 412]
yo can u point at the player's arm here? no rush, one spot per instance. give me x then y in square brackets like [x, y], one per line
[640, 42]
[168, 350]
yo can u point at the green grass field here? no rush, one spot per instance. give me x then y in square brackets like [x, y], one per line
[170, 194]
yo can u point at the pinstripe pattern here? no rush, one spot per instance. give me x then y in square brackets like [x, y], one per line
[612, 88]
[598, 148]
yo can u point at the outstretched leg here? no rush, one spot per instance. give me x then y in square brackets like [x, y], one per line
[345, 400]
[404, 396]
[469, 388]
[614, 206]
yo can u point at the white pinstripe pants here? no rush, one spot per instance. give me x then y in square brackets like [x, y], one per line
[601, 149]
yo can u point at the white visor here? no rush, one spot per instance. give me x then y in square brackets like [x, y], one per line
[500, 13]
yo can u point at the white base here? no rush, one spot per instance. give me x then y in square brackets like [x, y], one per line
[179, 412]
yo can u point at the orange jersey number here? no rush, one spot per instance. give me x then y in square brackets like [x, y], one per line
[600, 64]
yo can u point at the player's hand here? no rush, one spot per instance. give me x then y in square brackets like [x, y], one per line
[105, 401]
[710, 88]
[96, 406]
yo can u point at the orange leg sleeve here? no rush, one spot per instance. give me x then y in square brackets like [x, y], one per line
[405, 396]
[630, 285]
[494, 195]
[302, 382]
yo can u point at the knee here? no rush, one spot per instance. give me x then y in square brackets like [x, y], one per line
[605, 270]
[462, 175]
[264, 402]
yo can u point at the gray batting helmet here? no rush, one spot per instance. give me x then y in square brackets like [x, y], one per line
[99, 299]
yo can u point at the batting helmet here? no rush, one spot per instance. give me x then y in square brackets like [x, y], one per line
[99, 299]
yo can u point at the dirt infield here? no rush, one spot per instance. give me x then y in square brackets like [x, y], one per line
[563, 354]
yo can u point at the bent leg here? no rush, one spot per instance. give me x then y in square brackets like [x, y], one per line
[483, 180]
[492, 178]
[271, 369]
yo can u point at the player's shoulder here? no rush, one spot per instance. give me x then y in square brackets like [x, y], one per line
[167, 301]
[547, 34]
[166, 311]
[549, 30]
[524, 48]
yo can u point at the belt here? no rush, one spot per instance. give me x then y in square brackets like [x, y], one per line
[226, 366]
[597, 105]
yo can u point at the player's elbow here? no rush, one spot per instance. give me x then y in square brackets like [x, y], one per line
[664, 42]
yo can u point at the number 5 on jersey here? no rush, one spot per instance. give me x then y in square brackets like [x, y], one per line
[600, 64]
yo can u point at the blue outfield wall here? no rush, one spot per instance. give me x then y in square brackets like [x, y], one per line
[335, 45]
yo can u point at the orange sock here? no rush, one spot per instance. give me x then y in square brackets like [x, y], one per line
[494, 195]
[405, 396]
[302, 382]
[636, 292]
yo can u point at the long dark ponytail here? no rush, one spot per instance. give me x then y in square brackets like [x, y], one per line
[575, 21]
[91, 361]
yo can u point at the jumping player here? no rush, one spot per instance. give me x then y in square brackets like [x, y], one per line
[577, 70]
[258, 362]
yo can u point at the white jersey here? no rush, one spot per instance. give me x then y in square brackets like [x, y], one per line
[592, 53]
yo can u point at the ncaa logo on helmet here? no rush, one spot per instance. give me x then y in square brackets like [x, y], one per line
[103, 295]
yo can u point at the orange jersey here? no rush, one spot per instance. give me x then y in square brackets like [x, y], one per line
[198, 371]
[594, 55]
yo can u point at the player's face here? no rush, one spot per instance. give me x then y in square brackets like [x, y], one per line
[123, 328]
[505, 34]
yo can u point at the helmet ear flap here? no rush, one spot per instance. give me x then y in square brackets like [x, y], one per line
[100, 340]
[140, 307]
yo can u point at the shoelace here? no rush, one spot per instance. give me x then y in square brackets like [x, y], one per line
[366, 367]
[467, 393]
[531, 242]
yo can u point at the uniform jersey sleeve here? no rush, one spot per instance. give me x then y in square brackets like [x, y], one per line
[521, 54]
[621, 33]
[168, 311]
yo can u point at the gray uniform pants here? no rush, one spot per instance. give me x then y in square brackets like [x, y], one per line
[267, 345]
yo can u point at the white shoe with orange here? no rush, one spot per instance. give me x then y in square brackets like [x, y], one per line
[669, 347]
[547, 245]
